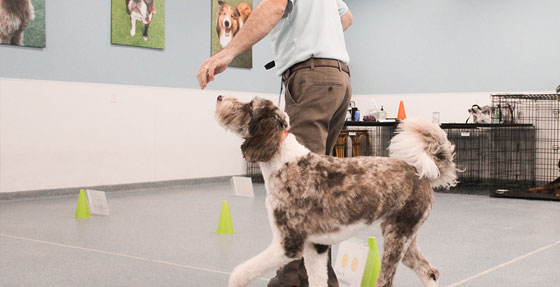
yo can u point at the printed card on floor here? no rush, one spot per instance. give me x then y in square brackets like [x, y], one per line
[243, 186]
[97, 202]
[350, 262]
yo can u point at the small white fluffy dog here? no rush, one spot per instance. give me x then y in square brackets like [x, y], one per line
[315, 200]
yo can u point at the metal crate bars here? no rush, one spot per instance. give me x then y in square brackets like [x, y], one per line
[543, 112]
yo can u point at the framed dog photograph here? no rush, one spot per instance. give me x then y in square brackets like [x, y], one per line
[22, 23]
[228, 17]
[138, 23]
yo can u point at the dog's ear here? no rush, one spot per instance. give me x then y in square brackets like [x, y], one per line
[266, 131]
[220, 2]
[218, 19]
[218, 24]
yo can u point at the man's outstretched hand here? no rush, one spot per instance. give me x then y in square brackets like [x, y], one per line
[213, 66]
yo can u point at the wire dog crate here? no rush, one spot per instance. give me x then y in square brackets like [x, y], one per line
[491, 155]
[254, 172]
[542, 111]
[365, 139]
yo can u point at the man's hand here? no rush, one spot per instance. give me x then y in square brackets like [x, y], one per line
[213, 66]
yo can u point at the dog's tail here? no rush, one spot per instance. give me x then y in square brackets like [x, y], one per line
[424, 145]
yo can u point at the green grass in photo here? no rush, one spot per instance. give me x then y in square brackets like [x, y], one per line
[244, 60]
[120, 26]
[34, 35]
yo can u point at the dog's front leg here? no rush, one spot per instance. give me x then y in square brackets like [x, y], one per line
[315, 258]
[146, 27]
[17, 38]
[272, 257]
[133, 25]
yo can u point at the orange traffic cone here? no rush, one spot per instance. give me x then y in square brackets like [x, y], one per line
[401, 115]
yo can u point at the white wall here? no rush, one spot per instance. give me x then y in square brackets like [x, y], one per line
[451, 106]
[70, 134]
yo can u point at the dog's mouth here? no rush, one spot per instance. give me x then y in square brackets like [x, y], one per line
[227, 31]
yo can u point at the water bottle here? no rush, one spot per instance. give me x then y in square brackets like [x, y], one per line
[496, 116]
[382, 114]
[357, 115]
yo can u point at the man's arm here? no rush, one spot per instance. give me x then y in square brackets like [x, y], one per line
[261, 21]
[346, 20]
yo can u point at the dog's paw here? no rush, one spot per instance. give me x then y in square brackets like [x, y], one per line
[145, 38]
[132, 32]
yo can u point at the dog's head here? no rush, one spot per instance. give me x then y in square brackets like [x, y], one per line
[227, 20]
[259, 122]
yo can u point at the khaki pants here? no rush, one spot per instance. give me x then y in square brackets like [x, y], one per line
[317, 101]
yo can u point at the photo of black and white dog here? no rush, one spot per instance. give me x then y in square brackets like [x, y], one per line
[15, 15]
[314, 201]
[140, 10]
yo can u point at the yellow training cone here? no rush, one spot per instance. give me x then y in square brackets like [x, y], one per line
[373, 265]
[225, 226]
[82, 210]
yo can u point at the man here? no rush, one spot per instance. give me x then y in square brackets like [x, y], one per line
[310, 54]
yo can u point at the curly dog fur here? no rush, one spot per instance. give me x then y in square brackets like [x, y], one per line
[314, 200]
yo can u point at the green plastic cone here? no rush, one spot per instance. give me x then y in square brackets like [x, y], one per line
[373, 265]
[225, 226]
[82, 210]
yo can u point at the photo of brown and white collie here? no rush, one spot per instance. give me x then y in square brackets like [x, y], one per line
[15, 15]
[229, 20]
[140, 10]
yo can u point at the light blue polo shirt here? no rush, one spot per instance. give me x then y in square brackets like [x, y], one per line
[309, 28]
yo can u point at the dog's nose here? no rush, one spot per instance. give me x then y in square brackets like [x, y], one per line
[226, 23]
[220, 98]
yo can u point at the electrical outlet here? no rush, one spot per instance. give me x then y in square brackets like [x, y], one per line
[113, 99]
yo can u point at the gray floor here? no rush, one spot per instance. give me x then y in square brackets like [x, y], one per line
[167, 237]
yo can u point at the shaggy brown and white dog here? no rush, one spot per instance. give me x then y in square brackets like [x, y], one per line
[15, 15]
[229, 20]
[315, 200]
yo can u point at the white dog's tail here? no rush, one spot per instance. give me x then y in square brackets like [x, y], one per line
[424, 145]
